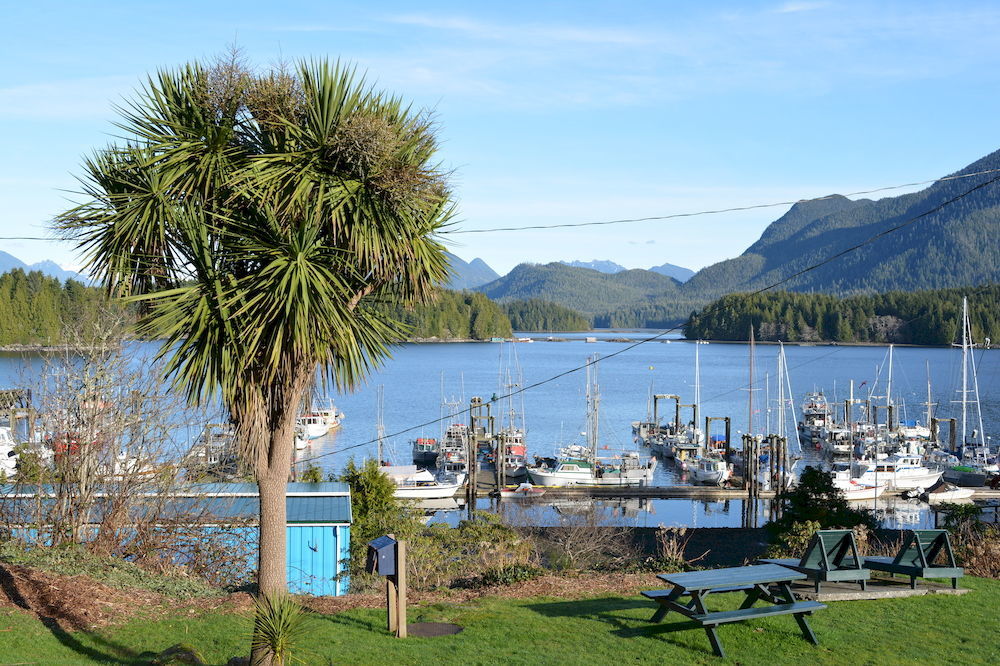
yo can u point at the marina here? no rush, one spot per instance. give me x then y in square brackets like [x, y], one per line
[647, 393]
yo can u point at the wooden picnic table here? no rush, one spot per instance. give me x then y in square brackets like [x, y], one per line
[761, 582]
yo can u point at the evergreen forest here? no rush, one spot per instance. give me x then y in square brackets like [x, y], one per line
[41, 310]
[930, 317]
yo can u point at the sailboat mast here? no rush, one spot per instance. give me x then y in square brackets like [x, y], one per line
[888, 394]
[767, 402]
[927, 366]
[379, 423]
[965, 371]
[750, 393]
[697, 384]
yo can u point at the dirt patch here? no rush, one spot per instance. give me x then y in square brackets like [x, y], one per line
[73, 603]
[563, 586]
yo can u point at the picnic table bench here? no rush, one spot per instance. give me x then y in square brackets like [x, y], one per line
[918, 558]
[832, 555]
[755, 580]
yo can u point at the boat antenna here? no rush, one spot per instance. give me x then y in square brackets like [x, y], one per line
[379, 424]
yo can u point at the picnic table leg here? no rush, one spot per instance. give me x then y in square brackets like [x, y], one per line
[664, 608]
[713, 638]
[698, 603]
[800, 618]
[752, 597]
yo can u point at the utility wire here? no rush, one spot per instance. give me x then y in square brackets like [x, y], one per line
[734, 209]
[660, 335]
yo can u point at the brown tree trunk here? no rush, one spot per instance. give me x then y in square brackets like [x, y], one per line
[272, 470]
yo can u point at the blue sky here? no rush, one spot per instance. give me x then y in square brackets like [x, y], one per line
[553, 112]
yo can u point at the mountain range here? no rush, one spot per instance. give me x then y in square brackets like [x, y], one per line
[943, 236]
[9, 262]
[678, 273]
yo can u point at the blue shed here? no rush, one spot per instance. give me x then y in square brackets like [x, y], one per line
[318, 524]
[318, 529]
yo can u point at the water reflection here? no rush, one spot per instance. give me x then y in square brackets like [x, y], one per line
[892, 512]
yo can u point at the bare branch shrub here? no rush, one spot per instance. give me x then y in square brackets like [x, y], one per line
[102, 467]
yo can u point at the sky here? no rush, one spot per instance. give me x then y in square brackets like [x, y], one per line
[550, 112]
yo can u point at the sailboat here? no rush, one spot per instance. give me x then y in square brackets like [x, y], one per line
[975, 461]
[510, 444]
[580, 466]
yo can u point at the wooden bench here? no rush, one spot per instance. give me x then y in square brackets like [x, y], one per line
[918, 556]
[832, 555]
[764, 582]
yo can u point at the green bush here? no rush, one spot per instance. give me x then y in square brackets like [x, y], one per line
[509, 574]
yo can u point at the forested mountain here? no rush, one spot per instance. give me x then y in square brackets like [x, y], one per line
[465, 315]
[38, 309]
[954, 246]
[539, 315]
[468, 275]
[587, 291]
[929, 317]
[940, 243]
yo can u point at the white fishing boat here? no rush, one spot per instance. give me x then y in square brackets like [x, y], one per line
[8, 457]
[853, 489]
[815, 412]
[898, 471]
[710, 471]
[312, 425]
[415, 483]
[328, 412]
[580, 466]
[453, 456]
[576, 466]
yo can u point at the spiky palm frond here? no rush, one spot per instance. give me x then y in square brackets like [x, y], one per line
[260, 222]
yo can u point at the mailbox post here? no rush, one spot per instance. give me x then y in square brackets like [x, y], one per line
[387, 557]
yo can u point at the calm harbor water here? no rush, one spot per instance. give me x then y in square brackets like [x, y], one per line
[420, 377]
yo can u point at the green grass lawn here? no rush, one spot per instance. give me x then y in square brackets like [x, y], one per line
[936, 629]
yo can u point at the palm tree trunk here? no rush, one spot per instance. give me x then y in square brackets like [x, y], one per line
[272, 472]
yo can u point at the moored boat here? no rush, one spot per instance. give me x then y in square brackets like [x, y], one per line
[414, 483]
[946, 492]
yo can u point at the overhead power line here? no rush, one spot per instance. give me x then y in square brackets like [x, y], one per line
[734, 209]
[669, 216]
[871, 239]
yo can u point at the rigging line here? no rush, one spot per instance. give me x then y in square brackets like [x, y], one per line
[734, 209]
[660, 335]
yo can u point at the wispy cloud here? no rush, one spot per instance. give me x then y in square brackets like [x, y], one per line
[533, 32]
[65, 100]
[793, 7]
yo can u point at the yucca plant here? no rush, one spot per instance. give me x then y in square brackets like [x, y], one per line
[279, 629]
[261, 221]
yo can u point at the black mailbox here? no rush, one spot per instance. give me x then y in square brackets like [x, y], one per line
[382, 556]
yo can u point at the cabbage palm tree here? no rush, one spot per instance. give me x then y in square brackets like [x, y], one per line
[261, 221]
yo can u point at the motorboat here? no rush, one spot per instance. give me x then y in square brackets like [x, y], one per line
[576, 466]
[313, 425]
[853, 489]
[710, 471]
[425, 451]
[943, 491]
[453, 454]
[415, 483]
[899, 472]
